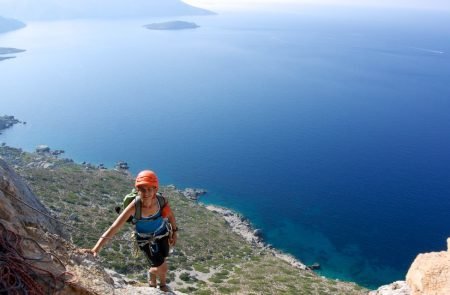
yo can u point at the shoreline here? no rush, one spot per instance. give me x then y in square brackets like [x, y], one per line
[241, 226]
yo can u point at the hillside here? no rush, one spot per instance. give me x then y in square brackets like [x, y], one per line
[209, 258]
[70, 9]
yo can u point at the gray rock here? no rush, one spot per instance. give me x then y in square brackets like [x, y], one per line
[258, 232]
[73, 217]
[14, 212]
[396, 288]
[47, 165]
[42, 149]
[122, 165]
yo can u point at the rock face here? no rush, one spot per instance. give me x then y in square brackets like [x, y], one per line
[430, 273]
[17, 216]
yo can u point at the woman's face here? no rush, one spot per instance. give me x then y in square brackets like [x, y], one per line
[147, 191]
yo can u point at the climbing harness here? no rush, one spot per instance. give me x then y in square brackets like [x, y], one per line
[144, 239]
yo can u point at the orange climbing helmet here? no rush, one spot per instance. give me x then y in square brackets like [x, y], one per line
[146, 177]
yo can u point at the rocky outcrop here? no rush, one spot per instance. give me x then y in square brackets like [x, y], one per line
[193, 193]
[7, 121]
[17, 202]
[396, 288]
[121, 166]
[45, 150]
[430, 273]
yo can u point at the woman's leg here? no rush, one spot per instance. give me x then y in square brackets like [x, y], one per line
[153, 271]
[162, 273]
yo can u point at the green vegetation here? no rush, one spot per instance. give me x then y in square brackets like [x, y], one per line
[208, 259]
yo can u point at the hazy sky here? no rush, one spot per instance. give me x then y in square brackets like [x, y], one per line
[261, 4]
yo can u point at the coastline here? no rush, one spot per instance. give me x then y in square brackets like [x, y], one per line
[241, 226]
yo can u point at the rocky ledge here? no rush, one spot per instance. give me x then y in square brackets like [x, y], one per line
[240, 225]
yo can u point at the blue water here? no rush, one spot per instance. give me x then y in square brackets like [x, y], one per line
[329, 129]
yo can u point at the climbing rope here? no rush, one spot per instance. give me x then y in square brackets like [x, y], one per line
[20, 274]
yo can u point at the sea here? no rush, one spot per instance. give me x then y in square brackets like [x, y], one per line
[327, 127]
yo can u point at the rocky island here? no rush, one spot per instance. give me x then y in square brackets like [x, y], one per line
[172, 25]
[7, 50]
[8, 121]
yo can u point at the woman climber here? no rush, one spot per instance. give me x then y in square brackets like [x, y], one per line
[155, 223]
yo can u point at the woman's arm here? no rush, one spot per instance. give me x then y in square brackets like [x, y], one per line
[173, 238]
[114, 228]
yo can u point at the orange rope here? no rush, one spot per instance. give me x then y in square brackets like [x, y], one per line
[22, 275]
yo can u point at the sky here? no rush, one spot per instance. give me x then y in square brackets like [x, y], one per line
[225, 5]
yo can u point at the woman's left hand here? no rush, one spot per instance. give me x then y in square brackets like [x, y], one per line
[173, 239]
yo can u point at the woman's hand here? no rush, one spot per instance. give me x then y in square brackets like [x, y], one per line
[173, 238]
[88, 251]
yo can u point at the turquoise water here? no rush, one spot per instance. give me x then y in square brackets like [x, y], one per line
[328, 129]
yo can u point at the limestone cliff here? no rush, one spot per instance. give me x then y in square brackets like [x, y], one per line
[429, 274]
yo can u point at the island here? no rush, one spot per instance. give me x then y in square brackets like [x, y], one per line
[7, 50]
[6, 57]
[172, 25]
[8, 24]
